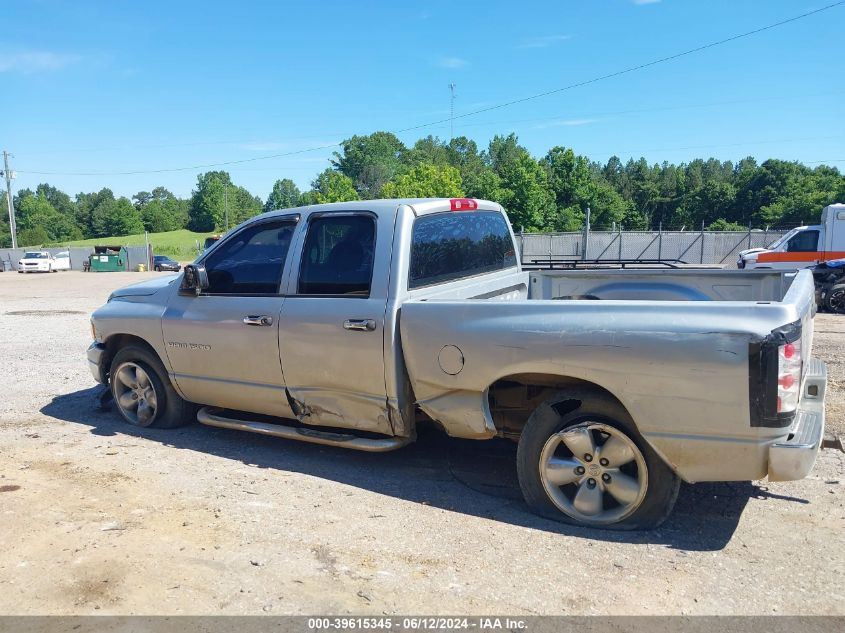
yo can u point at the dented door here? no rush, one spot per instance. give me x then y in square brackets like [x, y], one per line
[331, 334]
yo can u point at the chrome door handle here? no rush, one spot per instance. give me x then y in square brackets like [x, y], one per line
[362, 325]
[258, 319]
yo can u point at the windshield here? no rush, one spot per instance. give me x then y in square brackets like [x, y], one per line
[35, 256]
[781, 240]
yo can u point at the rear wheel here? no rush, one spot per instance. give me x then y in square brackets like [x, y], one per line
[143, 393]
[834, 300]
[580, 460]
[157, 269]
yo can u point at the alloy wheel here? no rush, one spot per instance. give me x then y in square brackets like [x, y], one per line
[135, 394]
[594, 473]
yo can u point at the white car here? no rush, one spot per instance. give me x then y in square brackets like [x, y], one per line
[43, 262]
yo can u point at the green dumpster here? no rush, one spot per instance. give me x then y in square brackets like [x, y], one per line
[107, 259]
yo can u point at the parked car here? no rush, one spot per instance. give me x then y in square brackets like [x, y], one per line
[38, 262]
[348, 324]
[163, 262]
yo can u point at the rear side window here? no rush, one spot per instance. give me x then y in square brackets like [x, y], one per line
[449, 246]
[338, 256]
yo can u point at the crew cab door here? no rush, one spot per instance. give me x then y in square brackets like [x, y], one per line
[332, 327]
[223, 345]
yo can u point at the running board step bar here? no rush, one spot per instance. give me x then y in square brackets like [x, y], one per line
[211, 416]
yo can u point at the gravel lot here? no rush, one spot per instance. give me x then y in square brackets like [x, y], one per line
[99, 517]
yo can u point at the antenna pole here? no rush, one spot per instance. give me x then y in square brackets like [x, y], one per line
[452, 87]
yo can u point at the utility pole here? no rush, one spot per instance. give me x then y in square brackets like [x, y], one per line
[11, 206]
[226, 205]
[452, 87]
[586, 234]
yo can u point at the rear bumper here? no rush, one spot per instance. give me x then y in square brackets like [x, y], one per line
[794, 457]
[96, 354]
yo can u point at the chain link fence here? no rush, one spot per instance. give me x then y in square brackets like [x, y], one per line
[688, 247]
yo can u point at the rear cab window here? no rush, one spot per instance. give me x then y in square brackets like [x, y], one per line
[450, 246]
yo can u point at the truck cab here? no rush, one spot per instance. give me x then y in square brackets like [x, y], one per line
[803, 246]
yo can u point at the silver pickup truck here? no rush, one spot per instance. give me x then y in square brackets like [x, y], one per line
[348, 324]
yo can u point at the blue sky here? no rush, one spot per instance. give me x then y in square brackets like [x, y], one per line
[119, 86]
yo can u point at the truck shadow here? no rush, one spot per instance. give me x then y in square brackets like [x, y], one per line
[470, 477]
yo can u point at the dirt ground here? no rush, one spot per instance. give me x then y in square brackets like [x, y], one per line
[100, 517]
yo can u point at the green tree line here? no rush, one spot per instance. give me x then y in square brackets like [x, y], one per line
[546, 194]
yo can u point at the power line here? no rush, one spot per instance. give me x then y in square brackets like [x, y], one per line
[689, 106]
[174, 169]
[631, 69]
[499, 106]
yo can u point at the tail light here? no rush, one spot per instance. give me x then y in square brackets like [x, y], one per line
[789, 376]
[463, 204]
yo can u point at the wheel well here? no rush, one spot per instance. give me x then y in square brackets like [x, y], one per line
[117, 341]
[512, 399]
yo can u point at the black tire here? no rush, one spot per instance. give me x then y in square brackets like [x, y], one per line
[575, 408]
[171, 410]
[157, 269]
[834, 299]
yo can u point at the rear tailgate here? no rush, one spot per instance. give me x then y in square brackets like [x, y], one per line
[779, 363]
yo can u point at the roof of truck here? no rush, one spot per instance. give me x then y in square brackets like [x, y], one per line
[420, 206]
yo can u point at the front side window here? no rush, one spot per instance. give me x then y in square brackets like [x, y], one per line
[338, 256]
[804, 242]
[251, 261]
[449, 246]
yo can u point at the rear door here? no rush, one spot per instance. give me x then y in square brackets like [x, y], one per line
[332, 328]
[223, 345]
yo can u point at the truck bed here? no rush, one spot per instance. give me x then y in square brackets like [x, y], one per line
[682, 369]
[661, 285]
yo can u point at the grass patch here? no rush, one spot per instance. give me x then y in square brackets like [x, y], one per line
[181, 245]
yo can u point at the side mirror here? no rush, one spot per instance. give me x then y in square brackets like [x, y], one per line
[194, 280]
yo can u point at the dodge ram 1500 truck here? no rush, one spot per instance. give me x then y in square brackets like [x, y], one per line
[347, 324]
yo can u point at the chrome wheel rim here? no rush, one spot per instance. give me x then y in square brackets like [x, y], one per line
[594, 473]
[135, 394]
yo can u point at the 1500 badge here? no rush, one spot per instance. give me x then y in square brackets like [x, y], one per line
[191, 346]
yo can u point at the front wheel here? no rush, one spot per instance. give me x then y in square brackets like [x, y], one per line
[834, 299]
[580, 460]
[143, 393]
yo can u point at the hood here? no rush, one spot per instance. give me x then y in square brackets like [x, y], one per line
[145, 288]
[752, 251]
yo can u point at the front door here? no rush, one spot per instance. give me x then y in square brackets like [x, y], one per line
[223, 345]
[332, 328]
